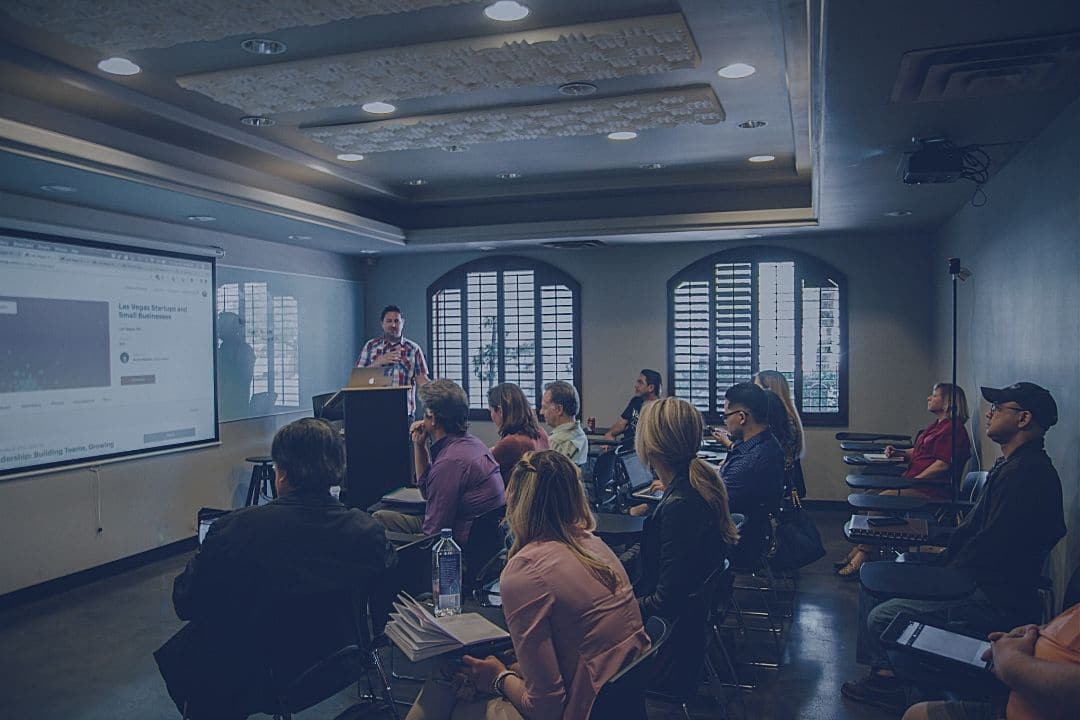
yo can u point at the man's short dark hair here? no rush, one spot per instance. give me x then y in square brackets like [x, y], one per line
[652, 378]
[390, 309]
[749, 397]
[448, 403]
[566, 395]
[310, 454]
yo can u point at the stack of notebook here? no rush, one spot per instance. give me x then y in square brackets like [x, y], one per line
[421, 635]
[913, 530]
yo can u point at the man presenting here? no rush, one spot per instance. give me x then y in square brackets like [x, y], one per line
[262, 591]
[646, 388]
[559, 406]
[402, 359]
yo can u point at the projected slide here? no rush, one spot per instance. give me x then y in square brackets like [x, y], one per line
[104, 352]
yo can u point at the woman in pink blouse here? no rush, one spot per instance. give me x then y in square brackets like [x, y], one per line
[519, 431]
[569, 607]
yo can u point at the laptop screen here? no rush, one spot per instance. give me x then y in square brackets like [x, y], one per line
[640, 476]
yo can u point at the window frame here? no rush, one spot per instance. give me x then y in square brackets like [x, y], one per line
[704, 269]
[543, 274]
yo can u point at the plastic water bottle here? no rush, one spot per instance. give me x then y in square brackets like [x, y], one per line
[446, 575]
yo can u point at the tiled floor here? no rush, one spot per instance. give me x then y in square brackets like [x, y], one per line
[86, 654]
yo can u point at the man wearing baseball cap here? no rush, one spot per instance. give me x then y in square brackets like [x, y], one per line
[1003, 541]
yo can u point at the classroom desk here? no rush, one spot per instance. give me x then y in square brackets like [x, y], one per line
[916, 582]
[939, 536]
[888, 503]
[878, 482]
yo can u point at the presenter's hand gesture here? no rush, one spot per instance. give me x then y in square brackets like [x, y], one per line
[394, 356]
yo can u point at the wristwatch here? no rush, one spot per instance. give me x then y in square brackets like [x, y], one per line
[500, 680]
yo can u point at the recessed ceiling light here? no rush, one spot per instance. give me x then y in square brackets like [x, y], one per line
[508, 175]
[506, 11]
[378, 107]
[59, 188]
[736, 71]
[455, 148]
[751, 236]
[368, 252]
[119, 66]
[258, 121]
[417, 182]
[350, 157]
[761, 158]
[201, 218]
[262, 46]
[622, 135]
[751, 124]
[299, 237]
[577, 89]
[652, 166]
[486, 247]
[898, 213]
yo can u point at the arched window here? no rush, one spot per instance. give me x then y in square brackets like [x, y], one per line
[505, 319]
[748, 309]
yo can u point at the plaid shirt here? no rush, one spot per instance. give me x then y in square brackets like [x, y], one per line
[405, 371]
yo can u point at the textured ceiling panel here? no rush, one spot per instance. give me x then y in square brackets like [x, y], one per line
[121, 25]
[596, 51]
[665, 109]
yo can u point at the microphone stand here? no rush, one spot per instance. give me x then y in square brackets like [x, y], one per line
[954, 470]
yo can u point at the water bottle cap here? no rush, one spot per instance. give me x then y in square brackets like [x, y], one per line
[447, 532]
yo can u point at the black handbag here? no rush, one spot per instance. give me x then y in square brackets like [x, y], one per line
[797, 540]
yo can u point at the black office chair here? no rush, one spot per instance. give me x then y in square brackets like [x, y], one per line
[604, 482]
[623, 696]
[487, 538]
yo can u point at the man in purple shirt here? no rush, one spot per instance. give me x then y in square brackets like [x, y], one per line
[456, 474]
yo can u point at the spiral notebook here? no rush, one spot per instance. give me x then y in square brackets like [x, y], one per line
[915, 530]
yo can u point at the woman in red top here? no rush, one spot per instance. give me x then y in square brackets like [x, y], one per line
[930, 459]
[519, 431]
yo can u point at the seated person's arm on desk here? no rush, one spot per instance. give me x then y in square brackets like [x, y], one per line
[679, 573]
[617, 428]
[1051, 687]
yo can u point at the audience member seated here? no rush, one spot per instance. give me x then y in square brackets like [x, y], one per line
[930, 460]
[646, 389]
[569, 608]
[786, 425]
[1003, 541]
[1039, 665]
[753, 471]
[261, 569]
[560, 405]
[519, 431]
[685, 539]
[455, 471]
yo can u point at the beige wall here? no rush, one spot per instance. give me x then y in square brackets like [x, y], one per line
[48, 523]
[1019, 314]
[624, 316]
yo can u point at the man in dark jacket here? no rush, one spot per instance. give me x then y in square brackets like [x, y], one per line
[271, 590]
[1003, 542]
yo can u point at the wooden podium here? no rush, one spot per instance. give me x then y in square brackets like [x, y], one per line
[377, 446]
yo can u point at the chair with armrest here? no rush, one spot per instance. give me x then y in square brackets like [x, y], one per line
[623, 696]
[487, 538]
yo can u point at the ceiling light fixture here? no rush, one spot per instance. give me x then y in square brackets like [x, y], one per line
[350, 157]
[508, 175]
[761, 158]
[258, 121]
[417, 182]
[299, 237]
[262, 46]
[752, 236]
[368, 252]
[622, 135]
[119, 66]
[652, 166]
[736, 71]
[898, 213]
[59, 188]
[201, 218]
[577, 89]
[378, 107]
[486, 248]
[506, 11]
[752, 124]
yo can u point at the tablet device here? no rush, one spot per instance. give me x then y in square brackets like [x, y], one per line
[949, 648]
[649, 495]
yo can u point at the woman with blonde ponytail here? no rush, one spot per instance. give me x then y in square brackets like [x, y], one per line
[685, 539]
[568, 604]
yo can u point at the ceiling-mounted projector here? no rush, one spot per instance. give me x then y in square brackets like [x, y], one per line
[936, 161]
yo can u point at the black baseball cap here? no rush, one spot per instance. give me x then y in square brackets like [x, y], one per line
[1029, 396]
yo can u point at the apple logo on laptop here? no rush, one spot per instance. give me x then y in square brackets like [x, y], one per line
[371, 381]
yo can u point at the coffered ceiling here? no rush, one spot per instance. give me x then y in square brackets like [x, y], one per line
[496, 132]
